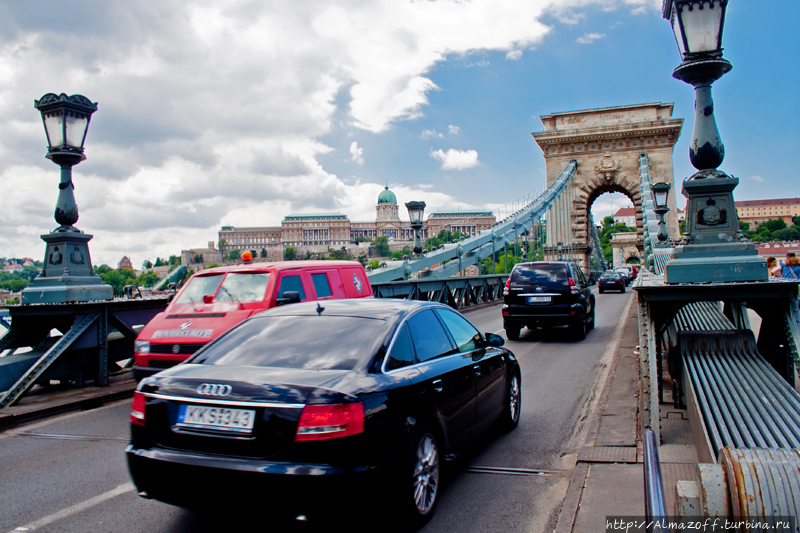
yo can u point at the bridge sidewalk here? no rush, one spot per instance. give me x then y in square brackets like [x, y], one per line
[608, 479]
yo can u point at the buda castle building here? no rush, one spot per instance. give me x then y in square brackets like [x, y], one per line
[320, 232]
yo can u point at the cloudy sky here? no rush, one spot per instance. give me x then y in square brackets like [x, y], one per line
[239, 113]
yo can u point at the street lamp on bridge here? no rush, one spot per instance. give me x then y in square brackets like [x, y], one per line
[660, 196]
[415, 213]
[68, 275]
[713, 248]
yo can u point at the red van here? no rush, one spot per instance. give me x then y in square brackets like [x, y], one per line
[216, 299]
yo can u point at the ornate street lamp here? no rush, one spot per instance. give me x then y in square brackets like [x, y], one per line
[415, 213]
[660, 196]
[713, 248]
[68, 275]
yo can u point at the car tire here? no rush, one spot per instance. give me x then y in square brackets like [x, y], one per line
[512, 333]
[421, 479]
[579, 330]
[590, 324]
[512, 403]
[601, 291]
[622, 290]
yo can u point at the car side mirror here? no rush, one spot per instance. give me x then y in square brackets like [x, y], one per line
[289, 297]
[494, 340]
[170, 298]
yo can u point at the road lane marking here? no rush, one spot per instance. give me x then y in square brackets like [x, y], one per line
[77, 508]
[71, 437]
[516, 471]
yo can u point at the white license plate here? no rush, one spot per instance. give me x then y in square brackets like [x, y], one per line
[223, 418]
[538, 299]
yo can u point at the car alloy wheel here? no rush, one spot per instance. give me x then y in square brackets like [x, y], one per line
[513, 403]
[425, 474]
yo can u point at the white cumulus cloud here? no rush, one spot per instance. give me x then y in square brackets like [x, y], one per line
[430, 134]
[757, 178]
[514, 55]
[589, 38]
[356, 153]
[453, 130]
[456, 159]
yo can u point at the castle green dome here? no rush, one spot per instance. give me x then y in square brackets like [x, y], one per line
[387, 197]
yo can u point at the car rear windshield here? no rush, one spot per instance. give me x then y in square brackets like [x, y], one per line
[543, 274]
[609, 275]
[308, 342]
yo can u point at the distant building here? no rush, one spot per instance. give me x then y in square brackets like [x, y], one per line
[205, 256]
[755, 212]
[231, 238]
[125, 263]
[10, 269]
[626, 215]
[319, 232]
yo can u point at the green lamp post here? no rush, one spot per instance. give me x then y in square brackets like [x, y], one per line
[68, 275]
[415, 214]
[713, 248]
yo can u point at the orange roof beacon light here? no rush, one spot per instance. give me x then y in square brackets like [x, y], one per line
[247, 258]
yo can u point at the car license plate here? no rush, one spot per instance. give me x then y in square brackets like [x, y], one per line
[538, 299]
[222, 418]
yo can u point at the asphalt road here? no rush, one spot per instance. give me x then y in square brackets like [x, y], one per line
[69, 473]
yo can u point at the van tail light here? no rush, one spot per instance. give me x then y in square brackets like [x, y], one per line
[508, 284]
[137, 410]
[322, 422]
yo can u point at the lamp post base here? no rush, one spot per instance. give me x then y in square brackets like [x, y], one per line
[708, 263]
[68, 276]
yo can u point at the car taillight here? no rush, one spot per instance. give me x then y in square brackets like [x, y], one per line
[508, 284]
[321, 422]
[572, 287]
[137, 410]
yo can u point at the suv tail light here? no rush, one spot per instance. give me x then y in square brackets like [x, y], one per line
[508, 284]
[137, 410]
[322, 422]
[572, 287]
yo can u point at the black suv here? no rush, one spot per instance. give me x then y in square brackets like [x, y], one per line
[548, 293]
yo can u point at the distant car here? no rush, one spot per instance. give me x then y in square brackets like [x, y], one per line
[548, 293]
[625, 275]
[611, 281]
[322, 403]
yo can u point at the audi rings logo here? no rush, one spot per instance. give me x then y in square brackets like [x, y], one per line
[214, 389]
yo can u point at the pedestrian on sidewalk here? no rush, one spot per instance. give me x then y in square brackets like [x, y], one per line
[791, 267]
[773, 267]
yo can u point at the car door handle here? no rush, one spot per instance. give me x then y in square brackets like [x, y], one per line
[477, 369]
[437, 385]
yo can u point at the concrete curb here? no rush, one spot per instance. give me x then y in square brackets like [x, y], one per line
[572, 501]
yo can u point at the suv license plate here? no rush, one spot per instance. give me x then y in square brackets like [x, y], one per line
[538, 299]
[202, 416]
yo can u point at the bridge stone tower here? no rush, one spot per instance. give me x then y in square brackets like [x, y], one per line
[607, 142]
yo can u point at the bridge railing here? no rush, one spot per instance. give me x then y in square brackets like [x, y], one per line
[454, 258]
[656, 253]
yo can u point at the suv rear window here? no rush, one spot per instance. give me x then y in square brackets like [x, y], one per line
[543, 274]
[609, 275]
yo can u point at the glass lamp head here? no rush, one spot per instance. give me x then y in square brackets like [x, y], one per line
[66, 120]
[697, 26]
[415, 212]
[660, 194]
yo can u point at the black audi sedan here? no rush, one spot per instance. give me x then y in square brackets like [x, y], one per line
[306, 405]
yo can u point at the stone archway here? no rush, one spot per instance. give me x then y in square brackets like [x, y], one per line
[607, 143]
